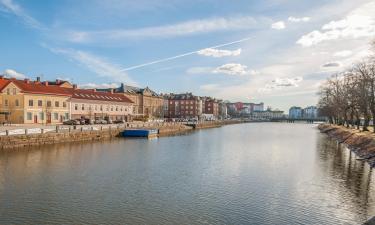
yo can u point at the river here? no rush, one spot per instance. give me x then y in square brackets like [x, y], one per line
[255, 173]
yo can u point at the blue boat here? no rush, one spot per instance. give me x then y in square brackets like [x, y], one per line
[148, 133]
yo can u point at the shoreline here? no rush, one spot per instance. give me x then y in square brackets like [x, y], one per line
[24, 141]
[361, 143]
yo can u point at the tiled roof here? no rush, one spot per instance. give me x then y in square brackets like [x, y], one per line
[99, 96]
[39, 88]
[3, 83]
[42, 88]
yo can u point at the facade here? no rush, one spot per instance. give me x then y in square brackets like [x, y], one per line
[267, 114]
[295, 112]
[185, 106]
[239, 109]
[90, 104]
[223, 110]
[25, 101]
[210, 108]
[310, 112]
[147, 103]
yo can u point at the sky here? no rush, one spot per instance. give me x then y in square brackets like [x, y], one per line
[272, 51]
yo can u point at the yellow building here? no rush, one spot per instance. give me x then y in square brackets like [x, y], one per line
[33, 102]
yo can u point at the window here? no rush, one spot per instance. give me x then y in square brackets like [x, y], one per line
[76, 106]
[29, 116]
[14, 91]
[57, 104]
[96, 107]
[6, 102]
[17, 102]
[117, 108]
[64, 104]
[101, 108]
[83, 106]
[31, 103]
[8, 91]
[55, 116]
[41, 116]
[66, 116]
[40, 103]
[49, 104]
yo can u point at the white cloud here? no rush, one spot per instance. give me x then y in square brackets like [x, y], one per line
[10, 7]
[93, 85]
[332, 64]
[218, 53]
[280, 83]
[298, 20]
[357, 24]
[280, 25]
[234, 69]
[96, 64]
[343, 54]
[173, 30]
[13, 74]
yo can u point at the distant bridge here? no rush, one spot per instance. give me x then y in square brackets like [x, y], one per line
[293, 120]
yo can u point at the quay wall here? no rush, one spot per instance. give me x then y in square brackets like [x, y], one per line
[76, 135]
[361, 143]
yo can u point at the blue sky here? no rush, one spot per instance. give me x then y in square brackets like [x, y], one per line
[276, 51]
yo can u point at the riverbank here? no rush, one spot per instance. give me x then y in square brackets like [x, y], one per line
[361, 143]
[68, 134]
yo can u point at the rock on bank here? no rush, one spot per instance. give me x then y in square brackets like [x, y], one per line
[361, 143]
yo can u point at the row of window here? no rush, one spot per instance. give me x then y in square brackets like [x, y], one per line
[16, 102]
[41, 115]
[100, 108]
[183, 102]
[47, 103]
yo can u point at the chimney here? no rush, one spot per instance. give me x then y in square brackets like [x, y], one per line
[27, 81]
[37, 79]
[46, 83]
[75, 86]
[94, 89]
[122, 87]
[58, 81]
[111, 89]
[1, 77]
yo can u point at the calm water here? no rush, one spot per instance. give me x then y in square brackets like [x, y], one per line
[241, 174]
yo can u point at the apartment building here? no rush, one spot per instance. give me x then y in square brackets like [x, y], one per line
[25, 101]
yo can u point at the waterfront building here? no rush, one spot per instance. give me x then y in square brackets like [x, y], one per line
[295, 112]
[223, 110]
[147, 103]
[210, 108]
[310, 112]
[187, 106]
[240, 109]
[25, 101]
[95, 105]
[267, 114]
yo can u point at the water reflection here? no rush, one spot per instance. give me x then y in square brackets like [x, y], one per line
[242, 174]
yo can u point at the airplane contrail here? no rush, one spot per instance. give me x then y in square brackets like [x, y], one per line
[182, 55]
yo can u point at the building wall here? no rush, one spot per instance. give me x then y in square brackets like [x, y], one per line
[45, 109]
[91, 109]
[184, 108]
[12, 103]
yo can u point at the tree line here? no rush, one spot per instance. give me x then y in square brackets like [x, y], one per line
[348, 98]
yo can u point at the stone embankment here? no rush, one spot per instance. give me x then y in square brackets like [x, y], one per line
[361, 143]
[76, 135]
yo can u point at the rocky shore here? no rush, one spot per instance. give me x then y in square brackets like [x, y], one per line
[361, 143]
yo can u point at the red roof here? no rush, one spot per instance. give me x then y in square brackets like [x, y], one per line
[99, 96]
[27, 86]
[3, 83]
[40, 88]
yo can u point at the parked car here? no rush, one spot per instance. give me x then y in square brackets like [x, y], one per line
[89, 121]
[71, 122]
